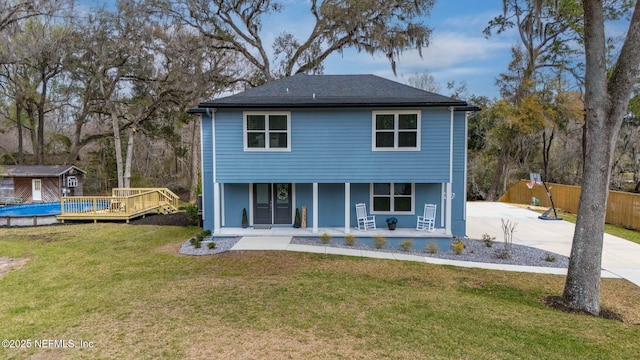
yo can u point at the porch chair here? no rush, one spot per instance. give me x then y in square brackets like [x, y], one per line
[364, 222]
[428, 220]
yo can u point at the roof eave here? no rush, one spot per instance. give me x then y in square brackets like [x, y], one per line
[201, 107]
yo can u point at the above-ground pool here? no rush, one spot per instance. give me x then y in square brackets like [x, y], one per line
[43, 213]
[29, 214]
[52, 208]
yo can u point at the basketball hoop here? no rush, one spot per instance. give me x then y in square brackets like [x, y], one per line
[530, 184]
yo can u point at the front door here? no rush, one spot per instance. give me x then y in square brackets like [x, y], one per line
[36, 189]
[272, 204]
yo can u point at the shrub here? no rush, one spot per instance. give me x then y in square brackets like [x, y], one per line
[350, 240]
[206, 233]
[212, 245]
[508, 228]
[325, 238]
[488, 240]
[501, 254]
[406, 244]
[457, 246]
[192, 215]
[379, 242]
[550, 257]
[297, 221]
[432, 248]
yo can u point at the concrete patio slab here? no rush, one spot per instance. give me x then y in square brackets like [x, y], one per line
[619, 256]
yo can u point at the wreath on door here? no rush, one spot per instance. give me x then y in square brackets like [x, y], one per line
[283, 194]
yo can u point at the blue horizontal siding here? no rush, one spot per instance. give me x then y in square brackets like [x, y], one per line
[331, 205]
[333, 146]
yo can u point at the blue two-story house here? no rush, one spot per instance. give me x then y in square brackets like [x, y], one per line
[328, 142]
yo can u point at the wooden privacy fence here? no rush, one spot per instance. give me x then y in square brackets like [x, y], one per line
[123, 204]
[623, 209]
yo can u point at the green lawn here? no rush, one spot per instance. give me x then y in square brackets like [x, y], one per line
[125, 289]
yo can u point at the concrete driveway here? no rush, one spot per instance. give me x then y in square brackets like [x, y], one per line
[619, 256]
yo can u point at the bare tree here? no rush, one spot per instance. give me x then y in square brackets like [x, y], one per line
[424, 81]
[374, 26]
[13, 13]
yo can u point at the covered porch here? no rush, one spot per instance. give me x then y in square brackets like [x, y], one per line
[329, 207]
[333, 231]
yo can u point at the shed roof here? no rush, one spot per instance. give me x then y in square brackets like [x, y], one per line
[37, 170]
[321, 91]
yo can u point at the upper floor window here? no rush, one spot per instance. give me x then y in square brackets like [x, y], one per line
[267, 131]
[72, 181]
[396, 130]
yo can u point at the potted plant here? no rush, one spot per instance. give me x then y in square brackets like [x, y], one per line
[245, 221]
[296, 220]
[391, 222]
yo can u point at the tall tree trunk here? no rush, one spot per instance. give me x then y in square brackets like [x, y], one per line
[41, 110]
[492, 195]
[19, 124]
[605, 101]
[195, 161]
[117, 145]
[127, 168]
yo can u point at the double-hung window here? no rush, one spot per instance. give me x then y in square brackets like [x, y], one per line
[267, 131]
[396, 130]
[392, 198]
[72, 181]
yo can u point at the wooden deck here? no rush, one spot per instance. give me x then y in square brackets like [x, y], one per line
[123, 204]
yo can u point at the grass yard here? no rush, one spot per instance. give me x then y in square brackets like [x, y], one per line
[125, 289]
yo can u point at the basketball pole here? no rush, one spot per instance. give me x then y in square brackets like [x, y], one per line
[545, 215]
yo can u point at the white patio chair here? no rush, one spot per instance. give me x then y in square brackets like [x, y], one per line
[428, 220]
[364, 222]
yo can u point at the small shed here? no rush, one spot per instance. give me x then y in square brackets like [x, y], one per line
[39, 183]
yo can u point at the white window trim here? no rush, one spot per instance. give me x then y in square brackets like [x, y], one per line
[266, 114]
[413, 201]
[395, 114]
[72, 182]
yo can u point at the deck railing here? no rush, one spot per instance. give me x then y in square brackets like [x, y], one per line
[123, 204]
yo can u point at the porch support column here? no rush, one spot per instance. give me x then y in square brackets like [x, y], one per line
[443, 202]
[315, 208]
[347, 207]
[216, 207]
[447, 221]
[449, 187]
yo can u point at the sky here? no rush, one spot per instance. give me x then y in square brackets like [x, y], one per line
[458, 50]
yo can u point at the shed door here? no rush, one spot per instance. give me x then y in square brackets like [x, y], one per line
[36, 189]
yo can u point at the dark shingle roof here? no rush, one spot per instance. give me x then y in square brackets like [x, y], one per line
[303, 90]
[36, 170]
